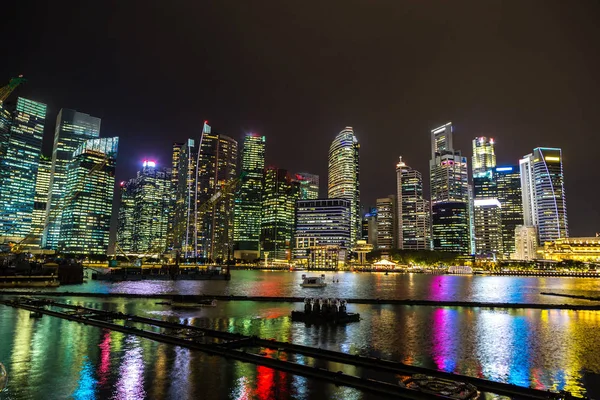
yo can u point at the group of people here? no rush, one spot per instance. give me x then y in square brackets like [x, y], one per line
[324, 306]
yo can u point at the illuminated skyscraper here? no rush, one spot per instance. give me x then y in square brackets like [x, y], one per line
[89, 190]
[217, 165]
[542, 185]
[19, 169]
[277, 222]
[184, 219]
[451, 223]
[5, 122]
[146, 200]
[42, 187]
[177, 147]
[309, 185]
[369, 227]
[413, 211]
[322, 227]
[126, 225]
[487, 210]
[344, 176]
[386, 223]
[508, 186]
[72, 129]
[484, 157]
[450, 226]
[247, 212]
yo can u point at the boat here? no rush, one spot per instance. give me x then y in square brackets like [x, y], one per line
[313, 281]
[36, 314]
[440, 387]
[324, 311]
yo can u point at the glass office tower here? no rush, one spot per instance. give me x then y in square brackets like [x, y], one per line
[72, 129]
[19, 169]
[247, 212]
[89, 192]
[344, 176]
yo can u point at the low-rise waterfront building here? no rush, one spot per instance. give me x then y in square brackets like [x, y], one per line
[525, 243]
[586, 249]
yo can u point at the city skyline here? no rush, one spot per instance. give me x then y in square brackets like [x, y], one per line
[523, 98]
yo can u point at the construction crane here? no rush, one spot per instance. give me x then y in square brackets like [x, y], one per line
[5, 91]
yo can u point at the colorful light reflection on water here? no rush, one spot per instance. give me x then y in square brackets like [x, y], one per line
[543, 348]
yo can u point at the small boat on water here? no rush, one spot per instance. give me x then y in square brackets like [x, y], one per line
[36, 314]
[313, 281]
[440, 387]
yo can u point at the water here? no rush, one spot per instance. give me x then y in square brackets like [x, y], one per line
[55, 359]
[510, 289]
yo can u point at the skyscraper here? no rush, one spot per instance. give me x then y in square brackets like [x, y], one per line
[309, 185]
[450, 226]
[42, 188]
[413, 211]
[451, 223]
[508, 186]
[322, 234]
[72, 129]
[487, 209]
[144, 219]
[247, 211]
[184, 218]
[5, 122]
[344, 176]
[369, 227]
[126, 224]
[277, 221]
[542, 185]
[176, 154]
[89, 190]
[19, 169]
[386, 223]
[484, 157]
[217, 165]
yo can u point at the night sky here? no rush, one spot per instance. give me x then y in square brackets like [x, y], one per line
[524, 72]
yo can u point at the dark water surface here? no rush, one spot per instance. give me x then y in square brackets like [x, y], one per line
[52, 358]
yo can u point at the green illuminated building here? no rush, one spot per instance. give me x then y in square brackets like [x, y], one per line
[89, 190]
[278, 204]
[126, 225]
[72, 129]
[144, 211]
[247, 211]
[19, 168]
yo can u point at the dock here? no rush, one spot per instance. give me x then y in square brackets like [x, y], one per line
[243, 348]
[284, 299]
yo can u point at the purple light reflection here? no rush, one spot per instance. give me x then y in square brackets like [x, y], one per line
[130, 385]
[445, 341]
